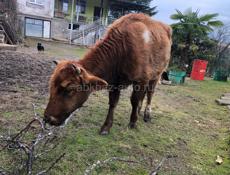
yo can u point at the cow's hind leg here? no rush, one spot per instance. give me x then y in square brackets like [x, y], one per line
[150, 91]
[113, 100]
[136, 98]
[141, 103]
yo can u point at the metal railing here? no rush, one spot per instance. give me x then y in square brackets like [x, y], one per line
[96, 27]
[97, 34]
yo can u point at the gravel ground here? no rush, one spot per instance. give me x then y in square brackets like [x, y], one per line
[23, 77]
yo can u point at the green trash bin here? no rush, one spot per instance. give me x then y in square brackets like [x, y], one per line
[177, 77]
[220, 75]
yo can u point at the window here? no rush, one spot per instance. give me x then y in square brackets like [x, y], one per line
[40, 2]
[34, 27]
[81, 6]
[65, 6]
[37, 28]
[75, 26]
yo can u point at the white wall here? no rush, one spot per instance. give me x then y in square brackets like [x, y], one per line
[45, 10]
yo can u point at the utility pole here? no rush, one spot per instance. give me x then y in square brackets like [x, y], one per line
[101, 12]
[71, 30]
[77, 10]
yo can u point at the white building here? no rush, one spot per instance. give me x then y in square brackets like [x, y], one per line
[35, 17]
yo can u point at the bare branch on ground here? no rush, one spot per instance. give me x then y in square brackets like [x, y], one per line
[42, 139]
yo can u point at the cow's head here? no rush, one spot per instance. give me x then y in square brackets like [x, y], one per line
[70, 86]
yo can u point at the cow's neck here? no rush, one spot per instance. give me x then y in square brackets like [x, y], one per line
[101, 61]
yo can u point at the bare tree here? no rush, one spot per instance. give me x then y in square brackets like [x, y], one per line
[222, 57]
[222, 36]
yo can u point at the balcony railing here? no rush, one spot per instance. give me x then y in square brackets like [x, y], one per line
[60, 14]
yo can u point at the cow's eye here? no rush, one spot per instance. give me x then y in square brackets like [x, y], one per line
[68, 92]
[71, 89]
[71, 92]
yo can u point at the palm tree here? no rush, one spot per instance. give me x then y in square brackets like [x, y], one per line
[191, 29]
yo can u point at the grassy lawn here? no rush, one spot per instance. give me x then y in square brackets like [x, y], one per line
[186, 124]
[54, 49]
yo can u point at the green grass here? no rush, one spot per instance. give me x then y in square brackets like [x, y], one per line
[186, 123]
[55, 49]
[78, 52]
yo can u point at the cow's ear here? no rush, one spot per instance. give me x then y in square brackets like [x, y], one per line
[96, 83]
[56, 62]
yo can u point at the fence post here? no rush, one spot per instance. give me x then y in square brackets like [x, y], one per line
[99, 33]
[71, 30]
[83, 35]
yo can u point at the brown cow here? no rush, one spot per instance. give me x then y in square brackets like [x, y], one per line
[135, 50]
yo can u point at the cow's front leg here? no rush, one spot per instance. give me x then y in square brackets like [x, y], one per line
[113, 100]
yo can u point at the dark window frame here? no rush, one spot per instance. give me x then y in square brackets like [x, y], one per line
[82, 4]
[75, 26]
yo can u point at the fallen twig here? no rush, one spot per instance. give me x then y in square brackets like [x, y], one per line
[52, 165]
[3, 171]
[16, 143]
[101, 163]
[157, 169]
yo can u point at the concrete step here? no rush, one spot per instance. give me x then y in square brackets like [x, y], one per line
[223, 101]
[226, 95]
[225, 98]
[8, 47]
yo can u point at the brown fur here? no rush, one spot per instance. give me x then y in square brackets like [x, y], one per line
[135, 50]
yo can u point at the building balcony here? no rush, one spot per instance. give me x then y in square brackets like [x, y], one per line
[6, 6]
[60, 14]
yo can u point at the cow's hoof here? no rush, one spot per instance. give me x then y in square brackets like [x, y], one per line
[105, 129]
[132, 125]
[104, 132]
[147, 117]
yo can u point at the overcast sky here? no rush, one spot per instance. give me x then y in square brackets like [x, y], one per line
[167, 7]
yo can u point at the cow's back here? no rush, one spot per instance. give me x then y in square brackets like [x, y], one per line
[147, 43]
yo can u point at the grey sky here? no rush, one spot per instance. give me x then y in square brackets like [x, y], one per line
[167, 7]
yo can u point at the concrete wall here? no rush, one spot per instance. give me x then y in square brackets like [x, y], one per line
[59, 28]
[46, 10]
[90, 4]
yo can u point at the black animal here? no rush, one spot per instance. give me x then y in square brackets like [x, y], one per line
[164, 76]
[40, 47]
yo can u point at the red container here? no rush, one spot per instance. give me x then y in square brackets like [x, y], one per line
[199, 69]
